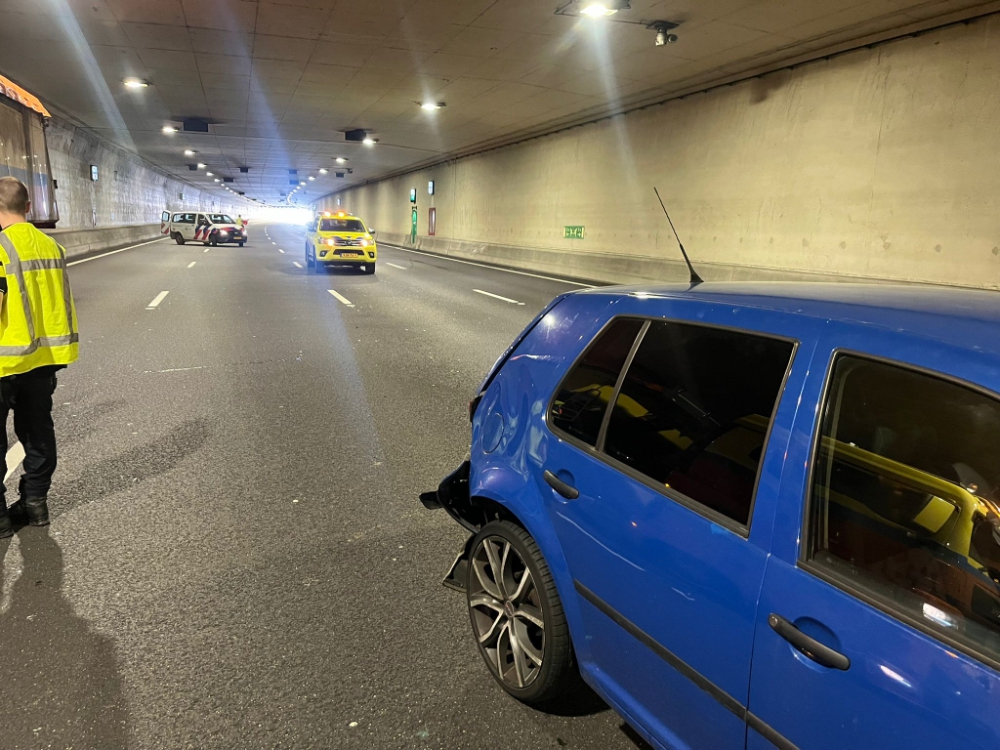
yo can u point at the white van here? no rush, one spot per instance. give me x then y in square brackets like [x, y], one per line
[208, 228]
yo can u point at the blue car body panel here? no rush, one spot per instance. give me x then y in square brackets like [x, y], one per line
[668, 609]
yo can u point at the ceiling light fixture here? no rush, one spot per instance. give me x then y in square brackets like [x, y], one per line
[663, 32]
[210, 174]
[170, 129]
[324, 171]
[311, 177]
[217, 180]
[301, 184]
[598, 10]
[370, 141]
[201, 166]
[431, 106]
[135, 83]
[189, 152]
[341, 160]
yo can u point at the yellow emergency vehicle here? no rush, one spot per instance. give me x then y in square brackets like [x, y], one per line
[336, 238]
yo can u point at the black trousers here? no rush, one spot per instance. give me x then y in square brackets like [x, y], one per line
[29, 396]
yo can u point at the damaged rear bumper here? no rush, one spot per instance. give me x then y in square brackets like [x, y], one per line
[453, 495]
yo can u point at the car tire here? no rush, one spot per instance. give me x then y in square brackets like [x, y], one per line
[369, 268]
[545, 670]
[178, 239]
[240, 244]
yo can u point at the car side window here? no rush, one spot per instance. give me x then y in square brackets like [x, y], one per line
[694, 411]
[583, 396]
[905, 498]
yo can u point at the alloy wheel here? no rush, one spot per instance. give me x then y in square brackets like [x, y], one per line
[506, 612]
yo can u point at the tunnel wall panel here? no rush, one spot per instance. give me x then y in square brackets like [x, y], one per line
[880, 163]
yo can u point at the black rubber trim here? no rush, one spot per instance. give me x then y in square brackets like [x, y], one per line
[768, 733]
[737, 708]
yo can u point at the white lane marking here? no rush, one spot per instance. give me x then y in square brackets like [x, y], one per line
[280, 250]
[191, 264]
[157, 300]
[207, 249]
[114, 252]
[274, 243]
[497, 296]
[296, 264]
[401, 268]
[14, 458]
[341, 297]
[494, 268]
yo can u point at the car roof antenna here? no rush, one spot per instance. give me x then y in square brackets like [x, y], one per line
[695, 278]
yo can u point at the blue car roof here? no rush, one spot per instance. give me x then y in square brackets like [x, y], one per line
[963, 317]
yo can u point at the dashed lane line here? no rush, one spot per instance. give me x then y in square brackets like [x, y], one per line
[492, 268]
[497, 296]
[14, 458]
[191, 264]
[157, 300]
[341, 297]
[401, 268]
[280, 250]
[296, 264]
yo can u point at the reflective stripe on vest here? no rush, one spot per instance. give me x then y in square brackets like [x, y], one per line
[16, 269]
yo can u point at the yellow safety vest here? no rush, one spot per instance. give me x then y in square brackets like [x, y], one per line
[38, 318]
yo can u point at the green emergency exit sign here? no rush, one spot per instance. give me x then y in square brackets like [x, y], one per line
[573, 233]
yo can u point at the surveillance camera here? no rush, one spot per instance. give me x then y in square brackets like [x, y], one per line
[662, 37]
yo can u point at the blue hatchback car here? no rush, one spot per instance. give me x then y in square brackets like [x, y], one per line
[749, 515]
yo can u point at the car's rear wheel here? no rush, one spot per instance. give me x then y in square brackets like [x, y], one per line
[516, 615]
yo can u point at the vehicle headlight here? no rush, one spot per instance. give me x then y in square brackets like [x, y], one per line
[365, 243]
[329, 242]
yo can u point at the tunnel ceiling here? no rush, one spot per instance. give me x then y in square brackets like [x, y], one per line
[280, 81]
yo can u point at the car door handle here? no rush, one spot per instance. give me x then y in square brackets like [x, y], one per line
[568, 491]
[810, 647]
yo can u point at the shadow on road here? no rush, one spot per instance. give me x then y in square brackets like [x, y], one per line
[60, 685]
[131, 467]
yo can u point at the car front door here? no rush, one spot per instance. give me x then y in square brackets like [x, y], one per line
[879, 622]
[658, 540]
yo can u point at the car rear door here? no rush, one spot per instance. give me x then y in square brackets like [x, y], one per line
[165, 222]
[658, 540]
[879, 622]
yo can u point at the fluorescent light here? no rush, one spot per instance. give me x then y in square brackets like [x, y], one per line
[598, 10]
[370, 141]
[210, 174]
[217, 179]
[201, 166]
[189, 152]
[324, 171]
[302, 183]
[432, 105]
[169, 129]
[135, 83]
[341, 160]
[311, 177]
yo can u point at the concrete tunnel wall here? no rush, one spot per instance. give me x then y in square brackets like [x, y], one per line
[124, 205]
[880, 163]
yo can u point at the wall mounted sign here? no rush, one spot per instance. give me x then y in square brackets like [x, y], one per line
[413, 195]
[430, 187]
[93, 172]
[573, 232]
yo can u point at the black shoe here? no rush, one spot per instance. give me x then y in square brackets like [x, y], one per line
[6, 527]
[37, 511]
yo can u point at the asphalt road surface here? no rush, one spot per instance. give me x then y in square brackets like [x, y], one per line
[238, 558]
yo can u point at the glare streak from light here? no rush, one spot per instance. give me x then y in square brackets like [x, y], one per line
[67, 22]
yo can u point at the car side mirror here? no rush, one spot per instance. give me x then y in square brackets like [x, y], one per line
[371, 231]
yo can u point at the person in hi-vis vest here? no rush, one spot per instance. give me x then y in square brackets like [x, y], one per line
[38, 337]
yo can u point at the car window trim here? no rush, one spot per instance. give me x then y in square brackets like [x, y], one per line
[828, 572]
[714, 516]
